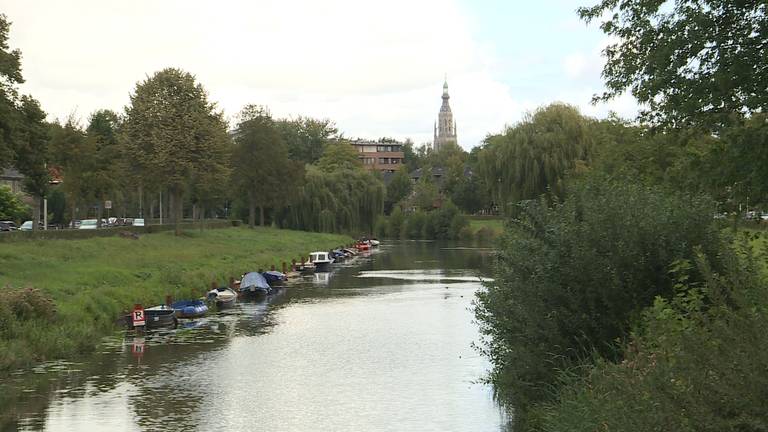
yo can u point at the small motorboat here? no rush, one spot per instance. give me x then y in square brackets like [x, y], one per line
[254, 283]
[190, 308]
[374, 242]
[156, 317]
[222, 297]
[350, 252]
[305, 268]
[362, 246]
[274, 277]
[338, 255]
[321, 260]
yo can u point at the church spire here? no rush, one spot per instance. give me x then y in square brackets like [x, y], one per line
[446, 126]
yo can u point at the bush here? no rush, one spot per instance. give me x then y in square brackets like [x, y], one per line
[697, 362]
[459, 223]
[485, 234]
[466, 233]
[395, 225]
[570, 279]
[380, 227]
[429, 230]
[414, 225]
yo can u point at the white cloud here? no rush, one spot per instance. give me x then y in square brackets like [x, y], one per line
[375, 68]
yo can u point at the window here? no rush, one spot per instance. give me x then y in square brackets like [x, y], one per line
[384, 161]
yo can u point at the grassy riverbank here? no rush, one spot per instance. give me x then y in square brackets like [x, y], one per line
[90, 282]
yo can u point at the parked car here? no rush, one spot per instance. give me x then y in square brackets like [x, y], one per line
[27, 226]
[88, 224]
[8, 226]
[138, 222]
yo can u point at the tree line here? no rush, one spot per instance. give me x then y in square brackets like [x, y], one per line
[623, 296]
[171, 153]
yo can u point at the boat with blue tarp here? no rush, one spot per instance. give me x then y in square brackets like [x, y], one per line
[254, 283]
[190, 308]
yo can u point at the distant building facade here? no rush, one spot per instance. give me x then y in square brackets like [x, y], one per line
[384, 156]
[445, 128]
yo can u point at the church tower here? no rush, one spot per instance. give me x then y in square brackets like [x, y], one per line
[445, 128]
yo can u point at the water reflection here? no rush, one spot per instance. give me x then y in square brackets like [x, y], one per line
[382, 343]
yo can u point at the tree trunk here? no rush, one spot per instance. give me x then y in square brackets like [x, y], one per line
[251, 212]
[99, 208]
[177, 209]
[74, 213]
[261, 215]
[35, 212]
[202, 218]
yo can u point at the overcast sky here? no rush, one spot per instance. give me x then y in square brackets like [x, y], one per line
[374, 68]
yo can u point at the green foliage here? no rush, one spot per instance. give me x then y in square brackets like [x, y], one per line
[32, 152]
[399, 188]
[571, 278]
[353, 197]
[10, 77]
[306, 137]
[396, 221]
[11, 206]
[414, 225]
[262, 172]
[534, 156]
[425, 193]
[92, 281]
[697, 362]
[339, 156]
[690, 62]
[173, 134]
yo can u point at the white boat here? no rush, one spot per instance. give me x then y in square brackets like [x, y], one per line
[321, 260]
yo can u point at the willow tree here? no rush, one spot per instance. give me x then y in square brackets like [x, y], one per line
[338, 194]
[172, 133]
[534, 156]
[262, 171]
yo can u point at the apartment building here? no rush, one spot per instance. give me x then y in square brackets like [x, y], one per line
[385, 156]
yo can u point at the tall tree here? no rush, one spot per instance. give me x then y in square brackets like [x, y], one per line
[339, 156]
[32, 153]
[694, 62]
[10, 77]
[102, 153]
[533, 157]
[261, 169]
[399, 188]
[171, 129]
[306, 137]
[68, 152]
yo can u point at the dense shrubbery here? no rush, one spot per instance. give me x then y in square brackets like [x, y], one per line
[570, 279]
[697, 361]
[445, 223]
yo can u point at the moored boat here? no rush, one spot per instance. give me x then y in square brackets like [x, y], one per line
[156, 317]
[274, 277]
[223, 297]
[254, 283]
[190, 308]
[321, 260]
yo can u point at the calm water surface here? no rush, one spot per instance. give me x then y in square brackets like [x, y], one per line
[380, 344]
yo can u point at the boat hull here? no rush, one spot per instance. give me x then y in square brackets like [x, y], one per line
[156, 318]
[322, 266]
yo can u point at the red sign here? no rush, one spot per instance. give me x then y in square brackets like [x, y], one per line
[138, 316]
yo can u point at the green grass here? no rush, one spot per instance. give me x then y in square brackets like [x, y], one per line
[495, 225]
[93, 281]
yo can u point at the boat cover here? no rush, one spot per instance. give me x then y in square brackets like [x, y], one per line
[253, 279]
[273, 275]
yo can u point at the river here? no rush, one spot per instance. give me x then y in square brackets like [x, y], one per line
[380, 344]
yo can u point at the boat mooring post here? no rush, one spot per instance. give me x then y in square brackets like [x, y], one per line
[284, 267]
[231, 282]
[272, 267]
[168, 300]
